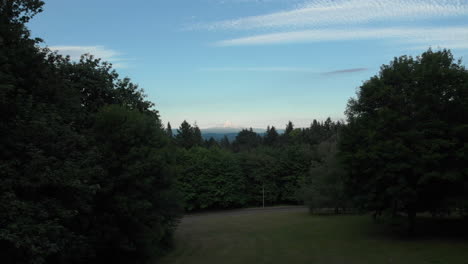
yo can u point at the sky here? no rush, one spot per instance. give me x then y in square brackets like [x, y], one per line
[251, 63]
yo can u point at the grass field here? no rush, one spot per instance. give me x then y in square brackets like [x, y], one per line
[295, 236]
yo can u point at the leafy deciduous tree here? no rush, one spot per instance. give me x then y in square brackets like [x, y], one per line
[405, 144]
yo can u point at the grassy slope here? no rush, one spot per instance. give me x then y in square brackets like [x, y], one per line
[298, 237]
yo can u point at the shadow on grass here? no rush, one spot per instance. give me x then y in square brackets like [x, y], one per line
[453, 228]
[427, 227]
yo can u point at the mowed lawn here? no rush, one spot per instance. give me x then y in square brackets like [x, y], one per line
[295, 236]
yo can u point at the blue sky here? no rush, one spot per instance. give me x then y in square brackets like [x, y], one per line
[251, 63]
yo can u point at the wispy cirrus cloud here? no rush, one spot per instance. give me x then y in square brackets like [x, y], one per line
[98, 51]
[337, 20]
[282, 69]
[323, 13]
[447, 37]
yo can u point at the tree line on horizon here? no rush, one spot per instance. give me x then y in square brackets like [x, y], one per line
[252, 169]
[88, 173]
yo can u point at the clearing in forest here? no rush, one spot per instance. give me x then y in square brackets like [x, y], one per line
[292, 235]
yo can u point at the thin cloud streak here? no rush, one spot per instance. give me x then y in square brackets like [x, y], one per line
[447, 37]
[323, 13]
[102, 52]
[282, 69]
[344, 71]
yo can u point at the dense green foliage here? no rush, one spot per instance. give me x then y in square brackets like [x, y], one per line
[405, 146]
[254, 169]
[210, 178]
[85, 176]
[325, 186]
[135, 208]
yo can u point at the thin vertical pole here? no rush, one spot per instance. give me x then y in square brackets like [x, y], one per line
[263, 194]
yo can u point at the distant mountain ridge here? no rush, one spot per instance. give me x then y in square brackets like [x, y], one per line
[218, 133]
